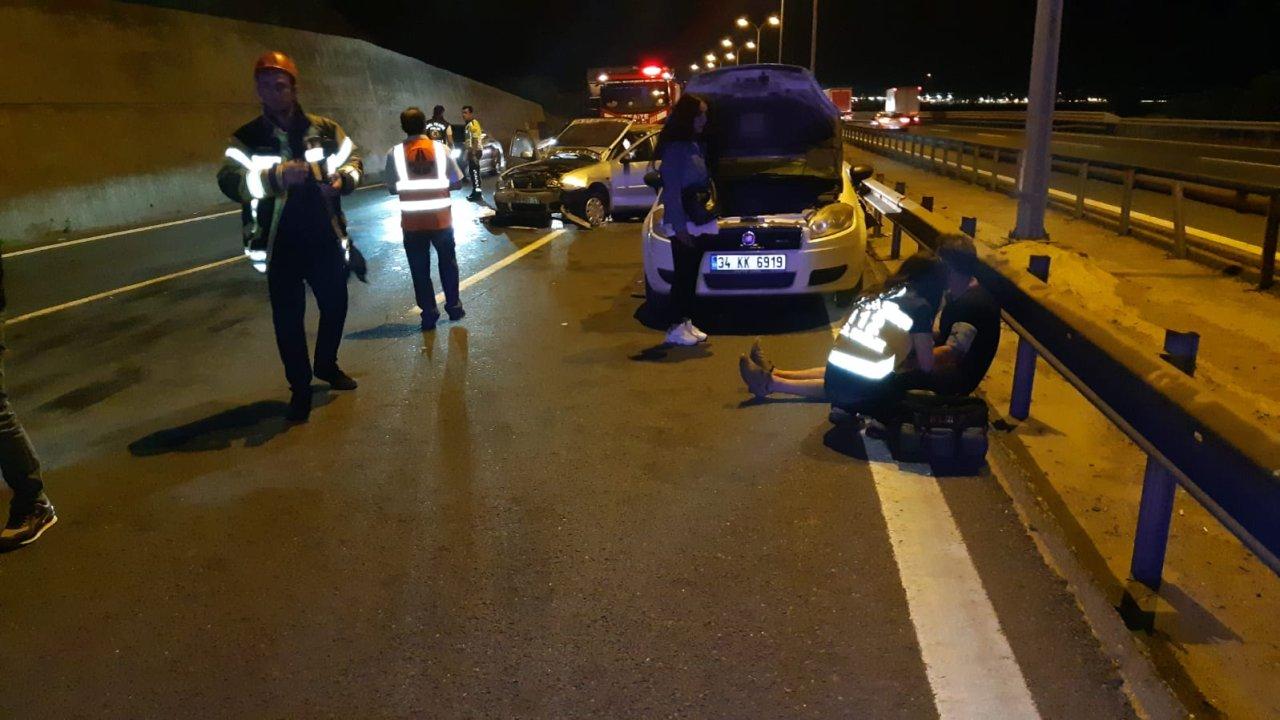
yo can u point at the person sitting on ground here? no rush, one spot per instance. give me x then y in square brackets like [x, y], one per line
[969, 329]
[885, 329]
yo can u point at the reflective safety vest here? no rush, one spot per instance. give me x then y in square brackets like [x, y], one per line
[873, 343]
[422, 182]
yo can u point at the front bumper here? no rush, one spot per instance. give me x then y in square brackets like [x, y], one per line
[512, 201]
[831, 264]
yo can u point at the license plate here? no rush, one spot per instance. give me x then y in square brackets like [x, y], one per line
[747, 262]
[527, 201]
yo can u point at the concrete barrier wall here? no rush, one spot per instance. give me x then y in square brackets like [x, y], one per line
[116, 114]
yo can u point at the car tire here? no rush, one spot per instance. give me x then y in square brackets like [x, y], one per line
[593, 209]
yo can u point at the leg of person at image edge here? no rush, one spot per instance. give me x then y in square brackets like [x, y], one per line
[30, 512]
[686, 260]
[287, 279]
[417, 247]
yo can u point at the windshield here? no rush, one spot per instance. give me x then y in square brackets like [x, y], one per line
[590, 134]
[634, 97]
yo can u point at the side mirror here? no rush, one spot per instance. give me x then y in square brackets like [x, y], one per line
[858, 173]
[653, 179]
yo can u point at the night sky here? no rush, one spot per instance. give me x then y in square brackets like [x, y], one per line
[542, 48]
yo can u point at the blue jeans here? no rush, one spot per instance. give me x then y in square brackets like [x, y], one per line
[417, 247]
[18, 461]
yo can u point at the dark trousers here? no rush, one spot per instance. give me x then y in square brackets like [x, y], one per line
[417, 247]
[687, 261]
[473, 169]
[287, 279]
[18, 462]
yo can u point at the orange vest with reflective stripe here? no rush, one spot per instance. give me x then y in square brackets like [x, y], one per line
[422, 183]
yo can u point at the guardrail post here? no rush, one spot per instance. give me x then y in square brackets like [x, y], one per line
[895, 241]
[1268, 269]
[1024, 369]
[1126, 201]
[969, 226]
[995, 168]
[933, 156]
[1159, 486]
[975, 175]
[1017, 174]
[1179, 222]
[1081, 186]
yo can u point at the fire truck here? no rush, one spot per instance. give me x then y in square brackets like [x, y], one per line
[642, 94]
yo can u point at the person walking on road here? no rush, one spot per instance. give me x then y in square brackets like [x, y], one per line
[421, 171]
[30, 512]
[475, 150]
[288, 169]
[439, 129]
[685, 192]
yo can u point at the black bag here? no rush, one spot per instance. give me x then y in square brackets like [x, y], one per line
[699, 203]
[948, 431]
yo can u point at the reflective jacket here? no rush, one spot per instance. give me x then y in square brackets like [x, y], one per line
[421, 171]
[250, 175]
[474, 134]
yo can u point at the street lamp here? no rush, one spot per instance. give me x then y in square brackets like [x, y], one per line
[731, 56]
[695, 67]
[709, 57]
[773, 21]
[726, 43]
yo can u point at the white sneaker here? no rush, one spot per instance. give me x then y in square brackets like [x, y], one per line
[680, 335]
[694, 331]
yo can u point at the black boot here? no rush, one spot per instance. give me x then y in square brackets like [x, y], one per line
[337, 379]
[299, 406]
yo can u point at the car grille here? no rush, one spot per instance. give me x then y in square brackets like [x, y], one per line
[749, 281]
[766, 238]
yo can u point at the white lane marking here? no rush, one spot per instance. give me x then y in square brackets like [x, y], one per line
[1075, 144]
[994, 135]
[477, 277]
[939, 129]
[120, 290]
[971, 668]
[1240, 162]
[132, 231]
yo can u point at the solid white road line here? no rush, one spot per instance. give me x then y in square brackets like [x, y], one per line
[970, 666]
[481, 275]
[121, 290]
[132, 231]
[1240, 162]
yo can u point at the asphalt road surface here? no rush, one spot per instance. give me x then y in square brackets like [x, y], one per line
[539, 511]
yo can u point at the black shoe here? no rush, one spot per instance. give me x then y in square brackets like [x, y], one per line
[429, 322]
[337, 379]
[299, 406]
[475, 197]
[456, 314]
[26, 528]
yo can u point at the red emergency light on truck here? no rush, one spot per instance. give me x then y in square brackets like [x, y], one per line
[642, 93]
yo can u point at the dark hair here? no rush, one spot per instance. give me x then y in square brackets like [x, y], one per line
[437, 112]
[413, 122]
[924, 274]
[959, 253]
[468, 108]
[679, 124]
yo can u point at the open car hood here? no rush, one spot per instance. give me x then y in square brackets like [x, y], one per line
[769, 111]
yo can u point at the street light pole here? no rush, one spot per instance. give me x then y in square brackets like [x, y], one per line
[813, 41]
[782, 26]
[1033, 176]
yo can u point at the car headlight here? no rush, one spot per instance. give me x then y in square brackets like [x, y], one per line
[573, 182]
[832, 219]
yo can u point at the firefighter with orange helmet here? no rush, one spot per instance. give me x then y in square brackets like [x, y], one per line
[289, 169]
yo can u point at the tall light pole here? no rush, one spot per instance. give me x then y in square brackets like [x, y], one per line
[773, 21]
[782, 26]
[813, 41]
[1033, 176]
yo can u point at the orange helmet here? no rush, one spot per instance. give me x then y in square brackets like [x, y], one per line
[276, 60]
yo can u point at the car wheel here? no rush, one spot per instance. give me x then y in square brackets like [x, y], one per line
[595, 209]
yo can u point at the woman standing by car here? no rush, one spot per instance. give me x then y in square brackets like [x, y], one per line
[686, 193]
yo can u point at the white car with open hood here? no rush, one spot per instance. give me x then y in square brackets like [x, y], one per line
[789, 218]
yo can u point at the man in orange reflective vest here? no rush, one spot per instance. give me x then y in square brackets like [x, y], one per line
[421, 171]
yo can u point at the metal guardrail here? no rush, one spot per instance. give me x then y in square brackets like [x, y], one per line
[1227, 462]
[948, 156]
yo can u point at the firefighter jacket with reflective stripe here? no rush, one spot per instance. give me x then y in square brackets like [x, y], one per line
[251, 175]
[421, 172]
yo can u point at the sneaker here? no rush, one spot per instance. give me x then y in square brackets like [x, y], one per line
[299, 406]
[27, 528]
[758, 381]
[694, 331]
[758, 357]
[679, 334]
[337, 379]
[456, 314]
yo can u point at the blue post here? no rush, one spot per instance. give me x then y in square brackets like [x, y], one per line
[1024, 369]
[1155, 510]
[1155, 513]
[895, 244]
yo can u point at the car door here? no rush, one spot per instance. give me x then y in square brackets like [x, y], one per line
[627, 188]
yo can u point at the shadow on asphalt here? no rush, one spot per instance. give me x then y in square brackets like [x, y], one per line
[664, 353]
[255, 424]
[386, 331]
